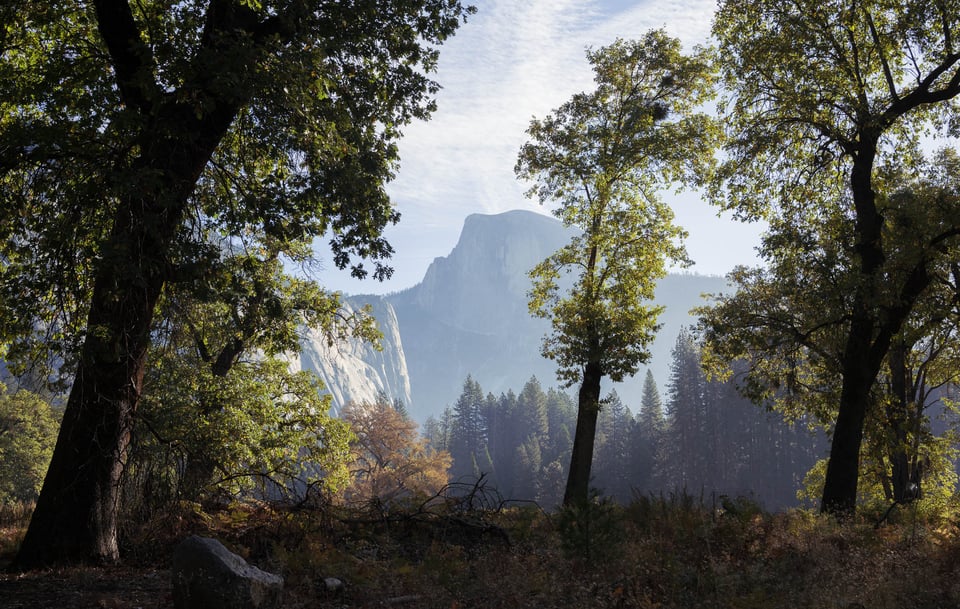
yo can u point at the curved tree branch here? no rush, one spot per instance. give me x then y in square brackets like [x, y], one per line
[131, 57]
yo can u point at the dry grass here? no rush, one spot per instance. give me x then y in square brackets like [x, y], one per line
[664, 552]
[14, 518]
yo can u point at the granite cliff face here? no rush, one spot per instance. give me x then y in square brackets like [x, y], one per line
[355, 370]
[469, 316]
[482, 285]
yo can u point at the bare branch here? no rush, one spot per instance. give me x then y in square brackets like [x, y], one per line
[878, 43]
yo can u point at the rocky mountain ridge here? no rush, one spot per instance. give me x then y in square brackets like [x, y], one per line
[355, 370]
[469, 316]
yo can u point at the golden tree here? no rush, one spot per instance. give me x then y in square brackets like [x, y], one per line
[389, 460]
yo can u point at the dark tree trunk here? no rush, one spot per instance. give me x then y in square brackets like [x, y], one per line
[843, 467]
[898, 417]
[581, 459]
[76, 515]
[873, 326]
[859, 366]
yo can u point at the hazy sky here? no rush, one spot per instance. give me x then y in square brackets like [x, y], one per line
[513, 60]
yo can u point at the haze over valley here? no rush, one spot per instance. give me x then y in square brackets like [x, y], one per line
[468, 315]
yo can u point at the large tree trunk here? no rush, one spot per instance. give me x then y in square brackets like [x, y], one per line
[858, 369]
[898, 418]
[76, 515]
[581, 459]
[874, 323]
[843, 467]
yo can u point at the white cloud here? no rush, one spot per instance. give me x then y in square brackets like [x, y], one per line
[513, 60]
[688, 20]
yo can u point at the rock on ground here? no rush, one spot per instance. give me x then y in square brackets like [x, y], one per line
[206, 575]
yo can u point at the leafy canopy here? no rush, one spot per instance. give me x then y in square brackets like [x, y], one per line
[323, 89]
[788, 321]
[388, 462]
[812, 85]
[789, 318]
[222, 413]
[28, 430]
[826, 105]
[602, 157]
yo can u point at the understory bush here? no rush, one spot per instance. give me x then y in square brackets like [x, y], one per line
[671, 551]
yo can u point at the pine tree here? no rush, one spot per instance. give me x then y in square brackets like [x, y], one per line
[529, 432]
[526, 484]
[468, 433]
[614, 434]
[503, 441]
[686, 413]
[561, 419]
[532, 420]
[437, 431]
[650, 435]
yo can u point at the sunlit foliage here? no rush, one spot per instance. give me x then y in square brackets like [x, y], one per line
[388, 461]
[602, 158]
[28, 430]
[825, 107]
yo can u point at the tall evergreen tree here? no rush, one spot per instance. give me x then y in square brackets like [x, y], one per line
[561, 420]
[615, 432]
[687, 416]
[529, 426]
[532, 420]
[648, 446]
[526, 482]
[502, 441]
[437, 431]
[468, 432]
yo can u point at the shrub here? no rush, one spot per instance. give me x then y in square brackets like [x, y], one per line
[28, 432]
[591, 532]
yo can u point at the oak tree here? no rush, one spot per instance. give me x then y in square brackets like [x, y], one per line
[602, 157]
[221, 411]
[389, 462]
[821, 98]
[131, 131]
[787, 324]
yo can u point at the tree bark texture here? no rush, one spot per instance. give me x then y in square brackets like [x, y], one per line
[873, 325]
[76, 515]
[843, 467]
[860, 364]
[898, 419]
[581, 459]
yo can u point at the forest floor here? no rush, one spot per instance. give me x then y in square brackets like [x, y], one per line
[87, 588]
[665, 553]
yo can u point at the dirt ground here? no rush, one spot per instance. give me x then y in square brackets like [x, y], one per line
[87, 588]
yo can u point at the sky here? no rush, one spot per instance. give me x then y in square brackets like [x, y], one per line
[512, 61]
